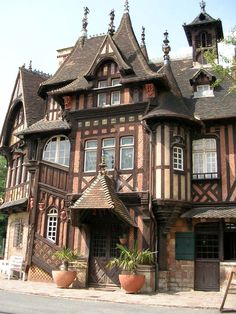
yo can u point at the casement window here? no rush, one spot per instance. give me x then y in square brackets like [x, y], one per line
[18, 234]
[178, 158]
[108, 148]
[203, 91]
[52, 222]
[204, 159]
[108, 85]
[127, 152]
[90, 160]
[102, 100]
[57, 150]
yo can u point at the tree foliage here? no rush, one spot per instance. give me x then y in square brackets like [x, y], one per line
[228, 69]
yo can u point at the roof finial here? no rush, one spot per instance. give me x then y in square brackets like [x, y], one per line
[143, 36]
[203, 6]
[111, 28]
[85, 22]
[102, 165]
[30, 65]
[166, 48]
[126, 6]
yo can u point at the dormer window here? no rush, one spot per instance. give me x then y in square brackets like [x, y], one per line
[108, 85]
[203, 91]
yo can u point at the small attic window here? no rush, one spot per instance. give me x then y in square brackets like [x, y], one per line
[203, 91]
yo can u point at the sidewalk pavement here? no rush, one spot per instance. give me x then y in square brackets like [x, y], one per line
[190, 299]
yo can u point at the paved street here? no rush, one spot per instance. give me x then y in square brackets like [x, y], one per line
[16, 303]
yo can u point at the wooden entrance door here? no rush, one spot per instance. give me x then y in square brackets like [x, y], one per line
[207, 269]
[104, 239]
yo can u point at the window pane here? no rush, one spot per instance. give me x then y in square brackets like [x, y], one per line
[102, 99]
[91, 144]
[115, 98]
[90, 160]
[108, 142]
[109, 155]
[178, 158]
[127, 140]
[102, 84]
[115, 82]
[57, 150]
[127, 155]
[52, 225]
[205, 158]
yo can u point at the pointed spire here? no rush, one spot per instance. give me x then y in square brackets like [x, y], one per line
[111, 28]
[143, 37]
[30, 65]
[85, 22]
[166, 48]
[203, 6]
[126, 6]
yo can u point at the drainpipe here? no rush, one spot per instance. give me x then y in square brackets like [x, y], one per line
[151, 141]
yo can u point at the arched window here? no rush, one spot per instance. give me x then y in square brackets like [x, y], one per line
[52, 219]
[57, 150]
[178, 158]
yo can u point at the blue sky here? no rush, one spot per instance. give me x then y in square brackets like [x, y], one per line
[34, 30]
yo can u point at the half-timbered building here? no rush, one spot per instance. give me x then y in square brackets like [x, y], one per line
[113, 144]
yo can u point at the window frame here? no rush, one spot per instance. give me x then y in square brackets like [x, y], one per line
[204, 90]
[52, 217]
[122, 148]
[18, 234]
[178, 158]
[109, 148]
[88, 150]
[55, 159]
[204, 151]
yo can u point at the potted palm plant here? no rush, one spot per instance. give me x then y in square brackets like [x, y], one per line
[128, 261]
[64, 277]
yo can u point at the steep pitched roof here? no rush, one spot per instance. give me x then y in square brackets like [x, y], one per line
[170, 103]
[72, 74]
[221, 106]
[101, 195]
[33, 105]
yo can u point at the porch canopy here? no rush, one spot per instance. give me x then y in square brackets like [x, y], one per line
[101, 195]
[14, 206]
[211, 212]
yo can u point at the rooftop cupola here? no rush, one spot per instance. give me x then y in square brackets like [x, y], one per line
[203, 34]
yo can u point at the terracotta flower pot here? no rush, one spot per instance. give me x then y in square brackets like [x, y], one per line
[63, 278]
[132, 283]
